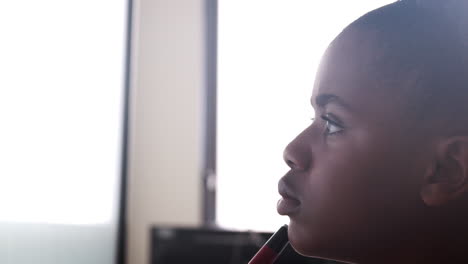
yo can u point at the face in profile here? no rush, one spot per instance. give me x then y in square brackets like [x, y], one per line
[352, 187]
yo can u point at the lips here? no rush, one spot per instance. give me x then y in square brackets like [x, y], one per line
[289, 203]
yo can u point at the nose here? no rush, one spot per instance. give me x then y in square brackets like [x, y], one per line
[298, 154]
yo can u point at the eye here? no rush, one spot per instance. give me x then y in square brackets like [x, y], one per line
[331, 126]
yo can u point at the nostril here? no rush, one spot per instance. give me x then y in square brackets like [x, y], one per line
[290, 164]
[297, 156]
[289, 158]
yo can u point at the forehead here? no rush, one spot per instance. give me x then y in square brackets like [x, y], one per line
[352, 70]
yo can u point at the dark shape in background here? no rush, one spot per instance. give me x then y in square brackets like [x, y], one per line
[173, 245]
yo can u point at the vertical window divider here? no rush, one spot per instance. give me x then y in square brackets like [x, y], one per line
[210, 108]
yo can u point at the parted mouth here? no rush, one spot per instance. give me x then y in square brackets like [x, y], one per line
[286, 191]
[289, 204]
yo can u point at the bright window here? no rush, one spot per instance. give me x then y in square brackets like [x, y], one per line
[61, 111]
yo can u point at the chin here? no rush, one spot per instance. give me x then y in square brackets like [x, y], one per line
[300, 250]
[301, 240]
[307, 251]
[305, 243]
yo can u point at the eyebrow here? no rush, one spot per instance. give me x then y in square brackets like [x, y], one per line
[323, 99]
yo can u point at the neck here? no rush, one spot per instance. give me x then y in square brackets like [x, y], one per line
[435, 255]
[444, 242]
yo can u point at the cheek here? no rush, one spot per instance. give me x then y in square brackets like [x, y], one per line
[363, 174]
[342, 191]
[334, 196]
[349, 196]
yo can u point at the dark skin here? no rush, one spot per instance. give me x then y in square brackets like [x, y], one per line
[367, 183]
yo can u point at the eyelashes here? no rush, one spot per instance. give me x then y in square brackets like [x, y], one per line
[332, 126]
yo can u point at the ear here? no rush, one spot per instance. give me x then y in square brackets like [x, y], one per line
[447, 178]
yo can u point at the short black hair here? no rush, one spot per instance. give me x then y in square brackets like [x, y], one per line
[429, 41]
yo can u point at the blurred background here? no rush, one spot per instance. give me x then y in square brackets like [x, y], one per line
[129, 124]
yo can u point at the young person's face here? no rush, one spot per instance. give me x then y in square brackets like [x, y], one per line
[355, 170]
